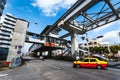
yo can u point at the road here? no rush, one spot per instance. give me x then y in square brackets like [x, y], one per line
[57, 70]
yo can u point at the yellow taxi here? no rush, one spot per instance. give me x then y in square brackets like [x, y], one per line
[90, 63]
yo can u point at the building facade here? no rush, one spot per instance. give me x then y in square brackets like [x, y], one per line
[0, 25]
[6, 31]
[12, 35]
[91, 44]
[2, 5]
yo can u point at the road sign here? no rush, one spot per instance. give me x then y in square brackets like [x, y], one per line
[18, 52]
[19, 46]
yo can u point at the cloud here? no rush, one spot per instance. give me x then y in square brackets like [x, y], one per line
[101, 28]
[51, 7]
[116, 23]
[112, 37]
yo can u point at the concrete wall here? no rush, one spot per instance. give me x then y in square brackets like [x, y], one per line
[18, 39]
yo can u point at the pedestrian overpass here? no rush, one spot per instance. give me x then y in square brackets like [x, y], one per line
[33, 38]
[42, 43]
[83, 16]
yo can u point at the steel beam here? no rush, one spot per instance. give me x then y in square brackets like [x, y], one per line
[74, 11]
[89, 18]
[108, 18]
[114, 11]
[64, 36]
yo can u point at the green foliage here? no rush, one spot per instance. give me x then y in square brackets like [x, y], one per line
[99, 49]
[115, 48]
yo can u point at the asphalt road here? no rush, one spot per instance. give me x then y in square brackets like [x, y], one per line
[57, 70]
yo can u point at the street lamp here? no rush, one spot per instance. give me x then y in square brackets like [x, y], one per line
[32, 22]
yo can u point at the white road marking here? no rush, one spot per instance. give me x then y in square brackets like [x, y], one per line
[2, 75]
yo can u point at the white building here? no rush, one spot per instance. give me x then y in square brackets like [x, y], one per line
[91, 43]
[8, 38]
[6, 31]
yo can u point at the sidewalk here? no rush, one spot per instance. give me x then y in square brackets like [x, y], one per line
[4, 66]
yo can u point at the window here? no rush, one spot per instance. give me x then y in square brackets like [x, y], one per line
[90, 43]
[95, 43]
[42, 37]
[86, 60]
[93, 60]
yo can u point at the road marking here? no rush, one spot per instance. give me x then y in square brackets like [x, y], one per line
[52, 66]
[2, 75]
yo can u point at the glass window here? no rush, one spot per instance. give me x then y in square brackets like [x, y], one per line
[95, 43]
[86, 60]
[93, 60]
[42, 37]
[57, 41]
[47, 39]
[90, 43]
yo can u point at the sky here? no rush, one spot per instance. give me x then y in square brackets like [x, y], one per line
[46, 12]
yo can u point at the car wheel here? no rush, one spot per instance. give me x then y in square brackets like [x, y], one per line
[99, 67]
[78, 66]
[74, 65]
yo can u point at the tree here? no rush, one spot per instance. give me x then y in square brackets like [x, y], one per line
[115, 48]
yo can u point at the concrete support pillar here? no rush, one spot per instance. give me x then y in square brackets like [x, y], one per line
[18, 39]
[74, 47]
